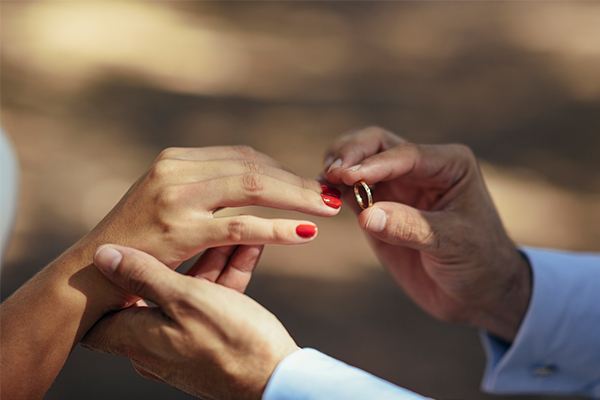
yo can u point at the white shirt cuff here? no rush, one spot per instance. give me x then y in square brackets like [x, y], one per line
[310, 375]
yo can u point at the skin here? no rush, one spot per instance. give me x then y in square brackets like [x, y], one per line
[433, 225]
[168, 213]
[206, 339]
[435, 228]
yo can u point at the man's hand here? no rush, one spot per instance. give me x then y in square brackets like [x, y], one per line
[435, 228]
[204, 338]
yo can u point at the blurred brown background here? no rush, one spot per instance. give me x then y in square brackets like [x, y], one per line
[93, 90]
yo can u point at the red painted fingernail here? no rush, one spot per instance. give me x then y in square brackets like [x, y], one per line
[331, 191]
[331, 201]
[306, 231]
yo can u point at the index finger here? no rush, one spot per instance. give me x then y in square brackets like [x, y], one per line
[230, 266]
[351, 149]
[429, 164]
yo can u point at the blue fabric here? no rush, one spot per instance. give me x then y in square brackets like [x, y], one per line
[556, 351]
[557, 348]
[310, 375]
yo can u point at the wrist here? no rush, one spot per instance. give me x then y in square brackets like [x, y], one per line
[45, 318]
[76, 269]
[502, 314]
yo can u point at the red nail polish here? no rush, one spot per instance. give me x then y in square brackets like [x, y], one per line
[331, 201]
[331, 191]
[306, 231]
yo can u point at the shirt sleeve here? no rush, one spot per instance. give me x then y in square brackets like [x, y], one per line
[557, 347]
[310, 375]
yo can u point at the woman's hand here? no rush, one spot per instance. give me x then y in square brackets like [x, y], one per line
[435, 228]
[169, 211]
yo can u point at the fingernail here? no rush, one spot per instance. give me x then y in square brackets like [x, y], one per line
[353, 168]
[306, 231]
[328, 190]
[107, 259]
[376, 221]
[331, 201]
[327, 163]
[336, 164]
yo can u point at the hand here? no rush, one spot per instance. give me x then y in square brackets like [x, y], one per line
[435, 228]
[169, 211]
[205, 339]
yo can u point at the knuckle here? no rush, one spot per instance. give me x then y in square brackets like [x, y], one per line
[408, 151]
[406, 229]
[252, 183]
[238, 230]
[374, 130]
[411, 229]
[408, 147]
[168, 211]
[464, 152]
[278, 234]
[162, 169]
[167, 153]
[167, 197]
[377, 132]
[245, 151]
[251, 166]
[307, 197]
[307, 184]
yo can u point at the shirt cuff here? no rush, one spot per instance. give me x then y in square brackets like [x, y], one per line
[308, 374]
[557, 347]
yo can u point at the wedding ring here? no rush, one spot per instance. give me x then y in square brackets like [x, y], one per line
[359, 197]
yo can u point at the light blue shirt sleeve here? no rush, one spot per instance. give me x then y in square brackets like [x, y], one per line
[557, 347]
[310, 375]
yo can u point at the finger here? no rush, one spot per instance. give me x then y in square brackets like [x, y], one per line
[101, 338]
[428, 164]
[240, 152]
[402, 225]
[112, 333]
[260, 190]
[138, 273]
[355, 147]
[248, 229]
[212, 263]
[240, 267]
[230, 266]
[130, 332]
[177, 171]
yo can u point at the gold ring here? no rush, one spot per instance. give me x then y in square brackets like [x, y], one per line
[359, 197]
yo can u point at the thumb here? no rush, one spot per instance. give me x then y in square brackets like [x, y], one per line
[402, 225]
[136, 272]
